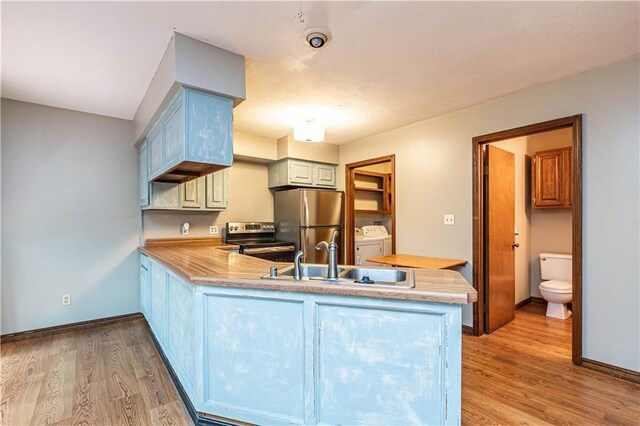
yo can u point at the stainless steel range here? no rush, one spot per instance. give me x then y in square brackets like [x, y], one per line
[258, 239]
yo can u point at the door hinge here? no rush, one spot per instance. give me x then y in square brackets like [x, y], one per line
[485, 170]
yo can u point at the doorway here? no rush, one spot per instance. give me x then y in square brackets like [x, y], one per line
[484, 221]
[370, 200]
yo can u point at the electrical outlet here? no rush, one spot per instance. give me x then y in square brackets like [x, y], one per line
[66, 299]
[449, 219]
[213, 230]
[184, 229]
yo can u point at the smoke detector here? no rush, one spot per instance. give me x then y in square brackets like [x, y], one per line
[317, 37]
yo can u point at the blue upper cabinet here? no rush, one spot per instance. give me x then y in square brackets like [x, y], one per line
[192, 137]
[209, 131]
[144, 171]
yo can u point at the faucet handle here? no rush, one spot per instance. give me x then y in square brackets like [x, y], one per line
[334, 236]
[322, 245]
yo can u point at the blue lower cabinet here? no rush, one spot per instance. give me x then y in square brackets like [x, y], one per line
[180, 337]
[379, 367]
[145, 292]
[270, 357]
[255, 357]
[159, 300]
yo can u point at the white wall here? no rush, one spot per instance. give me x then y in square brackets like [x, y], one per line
[433, 167]
[323, 152]
[69, 216]
[249, 200]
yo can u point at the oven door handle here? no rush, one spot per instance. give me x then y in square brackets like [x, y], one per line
[265, 250]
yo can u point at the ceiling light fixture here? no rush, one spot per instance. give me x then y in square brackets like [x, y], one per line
[308, 131]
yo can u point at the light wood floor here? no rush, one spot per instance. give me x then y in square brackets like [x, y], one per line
[520, 374]
[108, 375]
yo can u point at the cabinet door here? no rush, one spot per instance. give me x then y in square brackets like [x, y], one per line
[217, 188]
[145, 292]
[191, 193]
[209, 129]
[551, 178]
[300, 172]
[144, 175]
[368, 363]
[174, 135]
[155, 146]
[325, 175]
[165, 196]
[159, 300]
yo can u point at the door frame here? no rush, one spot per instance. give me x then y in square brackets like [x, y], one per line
[349, 203]
[575, 123]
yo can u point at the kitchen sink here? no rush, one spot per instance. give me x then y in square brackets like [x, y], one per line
[352, 275]
[309, 271]
[385, 275]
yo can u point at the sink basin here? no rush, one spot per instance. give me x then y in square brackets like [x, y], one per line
[352, 275]
[376, 275]
[309, 271]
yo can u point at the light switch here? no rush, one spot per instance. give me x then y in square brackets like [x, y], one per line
[449, 219]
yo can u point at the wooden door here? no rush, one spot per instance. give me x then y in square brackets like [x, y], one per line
[500, 254]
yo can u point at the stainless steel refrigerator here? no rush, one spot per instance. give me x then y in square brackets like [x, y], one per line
[308, 216]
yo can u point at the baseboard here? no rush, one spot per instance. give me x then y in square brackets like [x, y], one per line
[64, 328]
[467, 330]
[523, 303]
[199, 419]
[538, 300]
[612, 370]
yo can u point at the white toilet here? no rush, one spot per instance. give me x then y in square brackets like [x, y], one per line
[555, 270]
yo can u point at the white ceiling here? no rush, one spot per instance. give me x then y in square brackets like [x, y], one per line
[389, 63]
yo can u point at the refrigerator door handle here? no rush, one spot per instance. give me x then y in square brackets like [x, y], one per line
[304, 242]
[305, 209]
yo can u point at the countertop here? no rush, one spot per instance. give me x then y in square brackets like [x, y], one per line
[413, 261]
[211, 264]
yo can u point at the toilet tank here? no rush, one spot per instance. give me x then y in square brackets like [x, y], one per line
[555, 266]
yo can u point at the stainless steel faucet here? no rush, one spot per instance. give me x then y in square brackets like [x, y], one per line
[332, 249]
[297, 266]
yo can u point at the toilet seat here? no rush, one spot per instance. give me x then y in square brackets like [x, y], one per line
[556, 286]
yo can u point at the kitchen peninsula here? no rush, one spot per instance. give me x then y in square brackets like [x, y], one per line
[286, 352]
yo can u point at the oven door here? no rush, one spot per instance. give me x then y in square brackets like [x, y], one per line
[284, 253]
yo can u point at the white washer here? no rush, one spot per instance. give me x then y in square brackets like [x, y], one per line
[372, 241]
